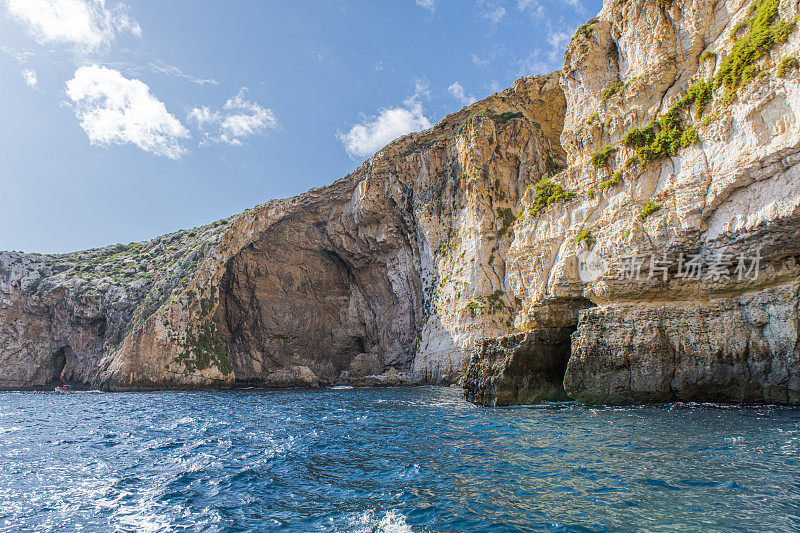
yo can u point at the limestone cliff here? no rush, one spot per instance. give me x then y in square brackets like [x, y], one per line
[387, 275]
[670, 133]
[683, 146]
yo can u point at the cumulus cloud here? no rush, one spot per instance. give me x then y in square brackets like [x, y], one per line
[31, 80]
[82, 23]
[239, 118]
[458, 92]
[430, 5]
[375, 132]
[113, 109]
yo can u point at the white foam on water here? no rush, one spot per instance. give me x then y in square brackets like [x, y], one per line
[391, 522]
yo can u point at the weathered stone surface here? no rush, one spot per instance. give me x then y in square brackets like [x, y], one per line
[734, 191]
[443, 238]
[404, 259]
[739, 349]
[524, 368]
[365, 364]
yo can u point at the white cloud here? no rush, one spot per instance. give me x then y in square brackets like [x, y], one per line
[558, 40]
[82, 23]
[430, 5]
[536, 63]
[375, 132]
[496, 14]
[533, 6]
[113, 109]
[170, 70]
[458, 92]
[240, 118]
[31, 80]
[487, 57]
[22, 56]
[480, 61]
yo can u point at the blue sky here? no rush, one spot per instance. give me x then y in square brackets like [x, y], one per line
[121, 121]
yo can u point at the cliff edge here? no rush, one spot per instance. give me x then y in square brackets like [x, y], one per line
[643, 200]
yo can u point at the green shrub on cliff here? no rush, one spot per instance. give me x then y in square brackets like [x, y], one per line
[708, 54]
[502, 118]
[616, 179]
[547, 193]
[600, 159]
[701, 93]
[611, 90]
[658, 139]
[788, 64]
[765, 30]
[649, 208]
[585, 235]
[585, 30]
[202, 351]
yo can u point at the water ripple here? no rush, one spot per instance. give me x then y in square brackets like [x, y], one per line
[389, 460]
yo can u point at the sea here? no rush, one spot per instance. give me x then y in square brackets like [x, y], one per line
[389, 460]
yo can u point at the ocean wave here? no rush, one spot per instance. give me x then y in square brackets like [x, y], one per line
[391, 521]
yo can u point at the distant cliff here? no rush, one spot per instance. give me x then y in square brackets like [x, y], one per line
[670, 138]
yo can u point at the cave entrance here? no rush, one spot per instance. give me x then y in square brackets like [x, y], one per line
[287, 302]
[57, 364]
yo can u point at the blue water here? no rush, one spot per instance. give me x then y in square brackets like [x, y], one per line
[407, 459]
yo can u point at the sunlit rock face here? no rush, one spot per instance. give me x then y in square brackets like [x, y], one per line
[388, 275]
[726, 194]
[667, 137]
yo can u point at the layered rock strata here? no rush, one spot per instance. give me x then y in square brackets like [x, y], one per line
[667, 149]
[523, 368]
[386, 276]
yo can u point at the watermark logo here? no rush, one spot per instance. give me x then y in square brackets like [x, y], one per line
[714, 267]
[591, 266]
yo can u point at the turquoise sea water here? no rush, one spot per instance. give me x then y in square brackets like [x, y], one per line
[407, 459]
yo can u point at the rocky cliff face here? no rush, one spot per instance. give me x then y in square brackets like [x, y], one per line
[523, 368]
[388, 275]
[668, 144]
[682, 140]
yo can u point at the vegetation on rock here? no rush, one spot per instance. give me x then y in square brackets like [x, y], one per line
[548, 192]
[616, 179]
[765, 30]
[202, 351]
[649, 208]
[585, 235]
[600, 159]
[552, 166]
[613, 89]
[788, 64]
[585, 30]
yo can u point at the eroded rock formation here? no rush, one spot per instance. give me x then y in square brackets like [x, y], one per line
[524, 368]
[671, 132]
[386, 276]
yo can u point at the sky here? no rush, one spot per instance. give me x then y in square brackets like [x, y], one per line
[121, 121]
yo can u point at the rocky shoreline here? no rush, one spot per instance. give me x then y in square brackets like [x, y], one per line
[665, 155]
